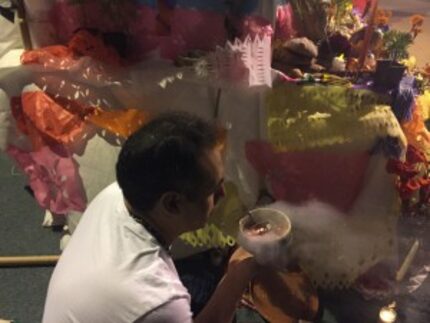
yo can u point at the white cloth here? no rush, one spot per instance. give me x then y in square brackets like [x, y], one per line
[112, 270]
[10, 36]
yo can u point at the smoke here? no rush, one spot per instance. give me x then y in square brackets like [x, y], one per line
[335, 247]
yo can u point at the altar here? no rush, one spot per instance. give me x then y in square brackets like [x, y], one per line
[326, 150]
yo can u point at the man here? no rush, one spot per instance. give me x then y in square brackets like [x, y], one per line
[117, 268]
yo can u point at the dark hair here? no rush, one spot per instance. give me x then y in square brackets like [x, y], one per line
[164, 156]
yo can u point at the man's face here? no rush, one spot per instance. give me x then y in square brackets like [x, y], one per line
[199, 209]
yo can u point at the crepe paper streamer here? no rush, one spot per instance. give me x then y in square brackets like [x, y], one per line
[119, 122]
[314, 116]
[335, 178]
[53, 176]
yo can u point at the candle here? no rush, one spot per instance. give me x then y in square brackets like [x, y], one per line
[387, 315]
[408, 261]
[369, 32]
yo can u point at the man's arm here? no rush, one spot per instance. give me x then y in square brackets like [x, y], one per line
[223, 303]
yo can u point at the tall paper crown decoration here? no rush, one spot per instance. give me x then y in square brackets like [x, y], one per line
[246, 62]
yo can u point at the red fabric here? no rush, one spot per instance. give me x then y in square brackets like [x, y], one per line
[296, 177]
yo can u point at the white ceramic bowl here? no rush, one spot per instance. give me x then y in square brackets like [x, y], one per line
[266, 234]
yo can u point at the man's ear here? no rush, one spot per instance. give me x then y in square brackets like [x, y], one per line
[171, 202]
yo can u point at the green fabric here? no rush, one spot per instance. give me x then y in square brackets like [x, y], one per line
[301, 117]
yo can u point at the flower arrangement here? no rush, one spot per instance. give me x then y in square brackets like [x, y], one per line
[382, 18]
[396, 44]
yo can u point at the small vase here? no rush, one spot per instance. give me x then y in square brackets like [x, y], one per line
[388, 73]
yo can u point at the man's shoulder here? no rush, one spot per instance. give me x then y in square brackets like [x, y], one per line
[111, 194]
[112, 190]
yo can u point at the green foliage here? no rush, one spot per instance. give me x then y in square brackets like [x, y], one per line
[396, 44]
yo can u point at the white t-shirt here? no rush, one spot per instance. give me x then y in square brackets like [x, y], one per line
[114, 271]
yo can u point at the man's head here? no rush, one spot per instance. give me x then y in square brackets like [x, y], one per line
[173, 166]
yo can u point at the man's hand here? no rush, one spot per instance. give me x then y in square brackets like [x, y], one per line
[242, 262]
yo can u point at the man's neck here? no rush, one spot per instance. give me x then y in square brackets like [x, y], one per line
[164, 234]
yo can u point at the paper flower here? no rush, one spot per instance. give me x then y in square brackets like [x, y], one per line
[417, 22]
[383, 17]
[54, 178]
[45, 120]
[426, 70]
[247, 62]
[412, 177]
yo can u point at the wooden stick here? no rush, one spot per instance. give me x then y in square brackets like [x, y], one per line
[23, 25]
[368, 35]
[22, 261]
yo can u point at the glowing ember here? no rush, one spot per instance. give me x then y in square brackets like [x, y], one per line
[259, 229]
